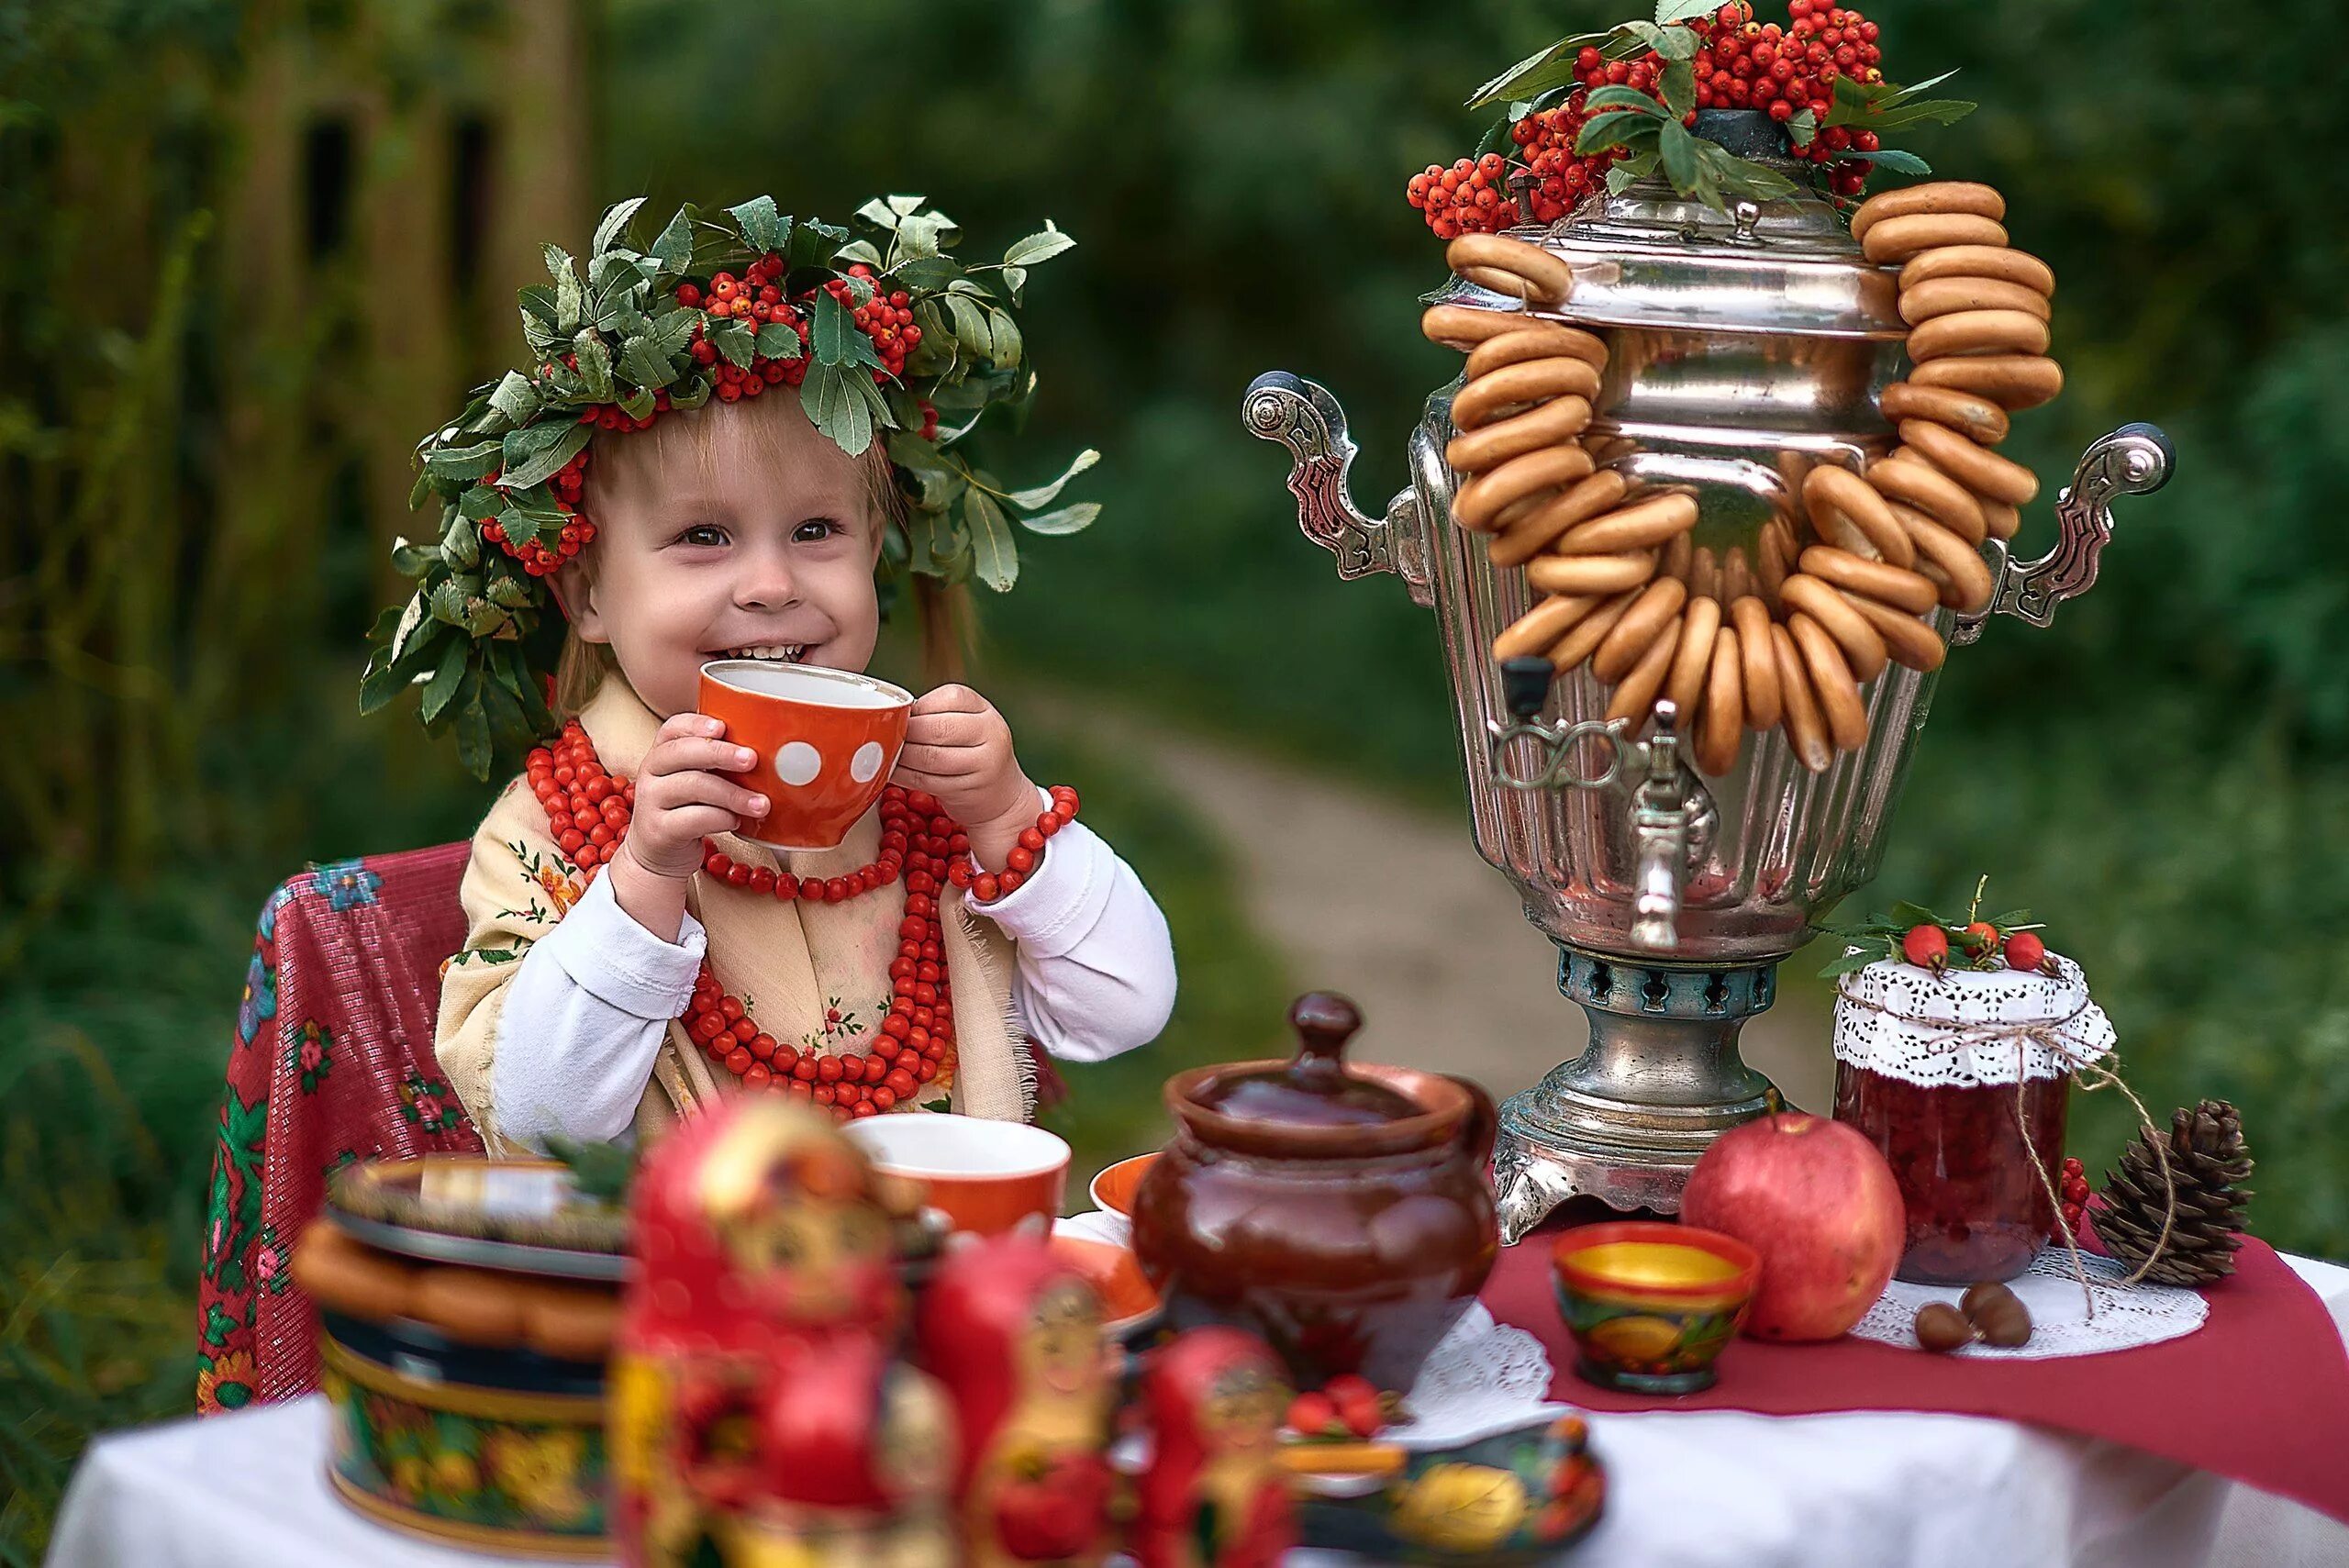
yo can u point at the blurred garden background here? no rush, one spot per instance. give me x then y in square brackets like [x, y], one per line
[254, 251]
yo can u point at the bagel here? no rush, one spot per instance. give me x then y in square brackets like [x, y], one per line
[1568, 652]
[1908, 639]
[1737, 577]
[1946, 297]
[1642, 524]
[1936, 196]
[1805, 732]
[1893, 585]
[2001, 263]
[1692, 661]
[1979, 417]
[471, 1304]
[1636, 695]
[1532, 533]
[1547, 278]
[1973, 333]
[1721, 731]
[336, 1269]
[1539, 628]
[1971, 465]
[1680, 559]
[1760, 673]
[1906, 477]
[1463, 326]
[1705, 571]
[1490, 397]
[1477, 503]
[1591, 573]
[1846, 510]
[2011, 381]
[1534, 340]
[1966, 583]
[1898, 239]
[571, 1322]
[1551, 424]
[1649, 616]
[1831, 683]
[1864, 650]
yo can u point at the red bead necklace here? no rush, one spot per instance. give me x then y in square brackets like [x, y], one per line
[589, 809]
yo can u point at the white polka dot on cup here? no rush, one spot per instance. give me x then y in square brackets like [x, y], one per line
[866, 763]
[797, 763]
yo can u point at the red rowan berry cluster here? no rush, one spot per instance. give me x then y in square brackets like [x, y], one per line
[887, 320]
[755, 299]
[1470, 198]
[1746, 64]
[576, 534]
[1559, 176]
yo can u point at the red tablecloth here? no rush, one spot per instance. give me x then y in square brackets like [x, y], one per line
[2259, 1393]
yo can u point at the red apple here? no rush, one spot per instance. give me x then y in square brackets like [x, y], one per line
[1818, 1202]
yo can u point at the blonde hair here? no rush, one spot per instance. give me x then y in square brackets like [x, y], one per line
[945, 609]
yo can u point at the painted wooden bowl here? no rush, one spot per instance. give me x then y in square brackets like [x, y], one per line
[1651, 1305]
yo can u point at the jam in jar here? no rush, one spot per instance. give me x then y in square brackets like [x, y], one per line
[1978, 1209]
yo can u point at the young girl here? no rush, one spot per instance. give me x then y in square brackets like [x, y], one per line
[629, 955]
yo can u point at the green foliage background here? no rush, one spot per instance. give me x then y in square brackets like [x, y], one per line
[2164, 776]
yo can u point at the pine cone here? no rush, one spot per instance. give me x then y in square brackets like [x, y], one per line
[2209, 1163]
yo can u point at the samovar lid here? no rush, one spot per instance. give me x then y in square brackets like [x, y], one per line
[1650, 257]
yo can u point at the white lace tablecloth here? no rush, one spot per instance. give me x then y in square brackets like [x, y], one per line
[1703, 1489]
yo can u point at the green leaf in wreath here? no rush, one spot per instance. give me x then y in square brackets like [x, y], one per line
[834, 334]
[614, 224]
[568, 298]
[515, 397]
[1004, 332]
[830, 394]
[463, 463]
[1043, 494]
[1039, 247]
[995, 554]
[761, 224]
[443, 684]
[537, 453]
[674, 248]
[644, 363]
[461, 544]
[734, 339]
[1068, 520]
[1670, 11]
[594, 365]
[863, 250]
[778, 341]
[474, 749]
[928, 272]
[924, 234]
[1882, 106]
[1623, 98]
[1802, 128]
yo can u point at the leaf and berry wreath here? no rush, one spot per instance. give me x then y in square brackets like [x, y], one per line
[1596, 111]
[882, 335]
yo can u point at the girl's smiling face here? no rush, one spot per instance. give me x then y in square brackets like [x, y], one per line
[732, 531]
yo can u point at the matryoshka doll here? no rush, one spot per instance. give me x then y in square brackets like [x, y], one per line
[1013, 1332]
[756, 1416]
[1214, 1495]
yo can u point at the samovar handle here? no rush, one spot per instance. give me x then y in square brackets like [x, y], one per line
[2135, 459]
[1304, 417]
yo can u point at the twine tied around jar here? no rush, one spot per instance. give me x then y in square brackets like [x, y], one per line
[2090, 1071]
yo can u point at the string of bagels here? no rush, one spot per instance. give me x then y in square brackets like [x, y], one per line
[1787, 636]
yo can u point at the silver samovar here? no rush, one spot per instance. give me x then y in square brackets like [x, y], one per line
[1742, 350]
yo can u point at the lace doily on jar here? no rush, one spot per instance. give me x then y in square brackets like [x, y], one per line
[1968, 1028]
[1481, 1378]
[2126, 1315]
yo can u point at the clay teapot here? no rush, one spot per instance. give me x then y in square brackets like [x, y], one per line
[1342, 1211]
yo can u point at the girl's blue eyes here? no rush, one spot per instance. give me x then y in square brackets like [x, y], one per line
[709, 535]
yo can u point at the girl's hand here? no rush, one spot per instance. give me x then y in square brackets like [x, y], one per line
[958, 748]
[682, 797]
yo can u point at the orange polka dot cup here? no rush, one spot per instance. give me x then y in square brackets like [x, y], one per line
[825, 739]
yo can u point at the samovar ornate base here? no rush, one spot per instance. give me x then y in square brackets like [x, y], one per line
[1625, 1120]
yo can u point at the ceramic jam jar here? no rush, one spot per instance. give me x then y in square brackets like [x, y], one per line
[1342, 1211]
[1962, 1081]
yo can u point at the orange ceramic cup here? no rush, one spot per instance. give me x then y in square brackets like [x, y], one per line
[826, 740]
[986, 1177]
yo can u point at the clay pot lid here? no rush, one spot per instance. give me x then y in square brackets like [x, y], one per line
[1314, 1087]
